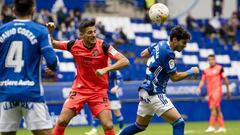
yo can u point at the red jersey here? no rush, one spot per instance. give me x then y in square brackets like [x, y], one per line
[87, 62]
[213, 77]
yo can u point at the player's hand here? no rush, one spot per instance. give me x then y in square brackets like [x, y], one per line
[49, 72]
[115, 89]
[198, 91]
[51, 26]
[100, 72]
[195, 70]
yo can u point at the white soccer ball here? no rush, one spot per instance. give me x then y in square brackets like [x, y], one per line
[158, 13]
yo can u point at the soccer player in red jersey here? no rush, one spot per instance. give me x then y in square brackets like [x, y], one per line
[91, 83]
[213, 77]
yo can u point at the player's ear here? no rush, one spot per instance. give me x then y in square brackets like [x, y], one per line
[33, 11]
[14, 11]
[81, 34]
[174, 40]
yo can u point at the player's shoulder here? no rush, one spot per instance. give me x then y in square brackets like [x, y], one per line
[219, 66]
[38, 27]
[165, 49]
[6, 26]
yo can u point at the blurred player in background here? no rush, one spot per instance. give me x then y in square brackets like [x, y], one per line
[213, 77]
[114, 90]
[22, 44]
[91, 83]
[160, 67]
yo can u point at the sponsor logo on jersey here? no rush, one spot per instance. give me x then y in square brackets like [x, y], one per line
[95, 53]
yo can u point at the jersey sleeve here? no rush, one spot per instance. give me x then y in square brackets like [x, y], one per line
[45, 41]
[47, 50]
[112, 52]
[169, 65]
[222, 73]
[66, 45]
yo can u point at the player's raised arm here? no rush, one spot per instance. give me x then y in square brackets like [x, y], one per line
[47, 51]
[56, 44]
[178, 76]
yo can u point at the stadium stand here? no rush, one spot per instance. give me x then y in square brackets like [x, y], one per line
[142, 34]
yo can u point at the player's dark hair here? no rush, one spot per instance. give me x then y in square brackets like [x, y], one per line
[23, 7]
[86, 23]
[211, 55]
[180, 32]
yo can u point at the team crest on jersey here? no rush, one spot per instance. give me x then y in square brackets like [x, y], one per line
[95, 53]
[171, 64]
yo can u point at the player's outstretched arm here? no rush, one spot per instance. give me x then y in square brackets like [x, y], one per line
[51, 27]
[178, 76]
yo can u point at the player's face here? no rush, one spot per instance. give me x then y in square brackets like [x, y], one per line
[211, 61]
[181, 44]
[89, 35]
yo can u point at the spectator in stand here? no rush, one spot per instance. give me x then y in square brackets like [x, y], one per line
[62, 15]
[101, 32]
[149, 3]
[73, 31]
[230, 30]
[6, 14]
[62, 33]
[77, 17]
[146, 17]
[191, 23]
[217, 6]
[119, 37]
[210, 31]
[44, 16]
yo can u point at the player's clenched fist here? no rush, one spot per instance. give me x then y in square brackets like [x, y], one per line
[101, 72]
[51, 26]
[195, 70]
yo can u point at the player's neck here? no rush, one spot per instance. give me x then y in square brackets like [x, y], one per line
[88, 45]
[212, 66]
[24, 17]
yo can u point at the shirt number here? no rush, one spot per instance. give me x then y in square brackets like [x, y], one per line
[14, 56]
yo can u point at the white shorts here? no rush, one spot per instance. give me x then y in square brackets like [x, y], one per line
[36, 116]
[115, 104]
[149, 105]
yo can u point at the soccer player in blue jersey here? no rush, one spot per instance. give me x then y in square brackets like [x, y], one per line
[114, 90]
[22, 45]
[160, 67]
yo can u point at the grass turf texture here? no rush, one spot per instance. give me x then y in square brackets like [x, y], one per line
[192, 128]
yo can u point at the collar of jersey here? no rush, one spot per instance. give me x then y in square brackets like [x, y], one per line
[21, 20]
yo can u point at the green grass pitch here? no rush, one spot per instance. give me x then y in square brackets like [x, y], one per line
[192, 128]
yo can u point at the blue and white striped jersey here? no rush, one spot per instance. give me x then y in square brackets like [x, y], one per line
[160, 64]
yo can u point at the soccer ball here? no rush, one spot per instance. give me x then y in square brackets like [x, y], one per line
[158, 13]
